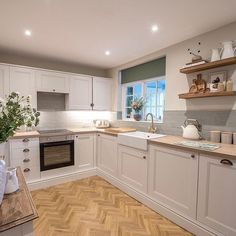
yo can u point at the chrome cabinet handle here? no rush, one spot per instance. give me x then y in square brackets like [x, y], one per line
[144, 157]
[192, 156]
[98, 134]
[226, 162]
[27, 170]
[26, 150]
[25, 140]
[26, 160]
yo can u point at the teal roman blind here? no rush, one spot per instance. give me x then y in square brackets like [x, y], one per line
[144, 71]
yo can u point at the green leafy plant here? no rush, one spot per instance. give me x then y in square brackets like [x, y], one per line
[16, 111]
[138, 104]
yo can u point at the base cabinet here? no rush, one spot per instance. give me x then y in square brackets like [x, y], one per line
[107, 153]
[132, 167]
[173, 176]
[84, 151]
[217, 194]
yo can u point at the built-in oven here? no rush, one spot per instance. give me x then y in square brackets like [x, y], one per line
[56, 152]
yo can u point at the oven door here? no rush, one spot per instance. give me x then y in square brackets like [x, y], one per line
[56, 154]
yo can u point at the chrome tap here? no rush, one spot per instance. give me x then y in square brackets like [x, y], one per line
[151, 128]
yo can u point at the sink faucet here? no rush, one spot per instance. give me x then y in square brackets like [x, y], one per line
[152, 128]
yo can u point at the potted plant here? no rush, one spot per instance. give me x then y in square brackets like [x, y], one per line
[15, 111]
[137, 106]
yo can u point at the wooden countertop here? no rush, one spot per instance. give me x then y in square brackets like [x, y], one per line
[17, 208]
[26, 134]
[225, 150]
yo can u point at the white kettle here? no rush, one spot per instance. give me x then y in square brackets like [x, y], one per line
[12, 183]
[191, 129]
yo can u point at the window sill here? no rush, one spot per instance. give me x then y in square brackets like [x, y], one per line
[141, 121]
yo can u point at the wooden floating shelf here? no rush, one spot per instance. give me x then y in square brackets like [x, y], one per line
[207, 94]
[209, 65]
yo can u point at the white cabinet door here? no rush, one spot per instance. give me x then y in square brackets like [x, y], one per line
[173, 176]
[107, 153]
[132, 167]
[22, 80]
[84, 151]
[80, 95]
[4, 80]
[102, 93]
[48, 81]
[217, 194]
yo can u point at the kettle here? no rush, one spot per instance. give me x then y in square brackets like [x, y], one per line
[191, 129]
[12, 184]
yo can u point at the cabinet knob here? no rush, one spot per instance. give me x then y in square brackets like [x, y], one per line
[26, 150]
[98, 134]
[54, 90]
[25, 140]
[92, 105]
[144, 157]
[26, 160]
[27, 170]
[226, 162]
[192, 156]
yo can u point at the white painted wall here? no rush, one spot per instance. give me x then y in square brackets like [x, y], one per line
[176, 83]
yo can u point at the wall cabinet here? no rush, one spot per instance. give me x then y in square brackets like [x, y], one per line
[102, 93]
[48, 81]
[217, 194]
[173, 176]
[107, 153]
[22, 80]
[80, 94]
[132, 167]
[25, 153]
[84, 151]
[4, 80]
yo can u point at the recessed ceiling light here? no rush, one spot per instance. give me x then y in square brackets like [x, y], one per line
[107, 53]
[154, 28]
[27, 32]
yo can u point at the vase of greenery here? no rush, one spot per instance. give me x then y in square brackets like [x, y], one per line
[15, 111]
[137, 106]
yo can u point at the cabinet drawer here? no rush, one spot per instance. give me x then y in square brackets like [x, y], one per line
[20, 156]
[24, 142]
[31, 173]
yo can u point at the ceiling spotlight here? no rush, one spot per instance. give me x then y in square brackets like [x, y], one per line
[154, 28]
[27, 32]
[107, 53]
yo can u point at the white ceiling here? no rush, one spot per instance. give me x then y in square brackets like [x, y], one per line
[80, 31]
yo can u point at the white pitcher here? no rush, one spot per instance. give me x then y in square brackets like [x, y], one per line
[215, 56]
[12, 184]
[228, 50]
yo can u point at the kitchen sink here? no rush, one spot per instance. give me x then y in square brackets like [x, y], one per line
[137, 139]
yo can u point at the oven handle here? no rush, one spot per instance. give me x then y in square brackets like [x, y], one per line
[58, 143]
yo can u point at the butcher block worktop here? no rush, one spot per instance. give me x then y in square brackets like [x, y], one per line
[17, 208]
[224, 151]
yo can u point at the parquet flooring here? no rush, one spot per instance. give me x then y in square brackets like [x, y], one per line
[93, 207]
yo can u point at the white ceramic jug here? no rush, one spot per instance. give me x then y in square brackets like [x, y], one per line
[228, 50]
[215, 56]
[12, 184]
[2, 179]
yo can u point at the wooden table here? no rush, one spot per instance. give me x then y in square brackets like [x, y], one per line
[17, 211]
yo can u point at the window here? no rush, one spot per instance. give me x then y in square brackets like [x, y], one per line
[154, 92]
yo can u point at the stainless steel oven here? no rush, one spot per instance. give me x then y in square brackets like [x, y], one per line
[56, 152]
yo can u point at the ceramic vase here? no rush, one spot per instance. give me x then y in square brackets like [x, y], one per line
[137, 115]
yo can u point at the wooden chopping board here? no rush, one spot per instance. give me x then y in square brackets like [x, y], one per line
[120, 130]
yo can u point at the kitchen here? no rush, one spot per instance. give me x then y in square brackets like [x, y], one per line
[134, 129]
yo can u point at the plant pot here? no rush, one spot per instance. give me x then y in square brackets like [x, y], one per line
[137, 116]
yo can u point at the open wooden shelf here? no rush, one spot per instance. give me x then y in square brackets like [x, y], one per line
[207, 94]
[209, 65]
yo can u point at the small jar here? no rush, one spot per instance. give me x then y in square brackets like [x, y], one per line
[215, 136]
[234, 138]
[227, 137]
[221, 87]
[229, 85]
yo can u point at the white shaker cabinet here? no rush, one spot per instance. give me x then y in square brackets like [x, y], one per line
[4, 80]
[107, 153]
[102, 93]
[84, 151]
[80, 94]
[22, 80]
[173, 176]
[48, 81]
[217, 194]
[132, 167]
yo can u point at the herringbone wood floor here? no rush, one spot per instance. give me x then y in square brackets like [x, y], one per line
[93, 207]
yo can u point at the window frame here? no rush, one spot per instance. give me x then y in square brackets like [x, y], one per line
[143, 94]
